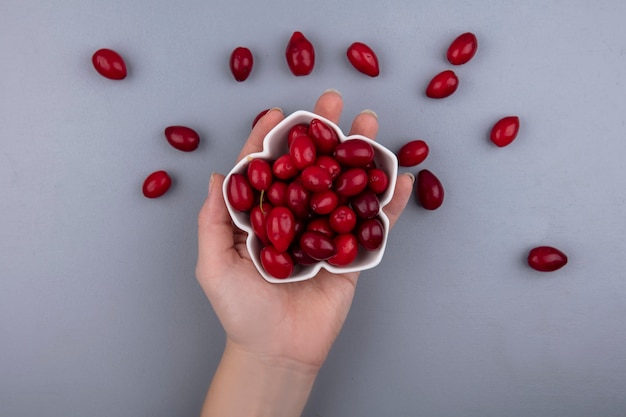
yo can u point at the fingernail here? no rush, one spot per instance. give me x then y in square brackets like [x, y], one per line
[276, 108]
[368, 111]
[211, 180]
[410, 176]
[332, 90]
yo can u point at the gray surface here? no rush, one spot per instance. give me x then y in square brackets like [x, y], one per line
[100, 313]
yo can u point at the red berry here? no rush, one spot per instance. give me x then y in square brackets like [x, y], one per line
[462, 49]
[324, 202]
[365, 205]
[241, 62]
[342, 219]
[377, 180]
[442, 85]
[330, 164]
[429, 191]
[298, 199]
[302, 151]
[260, 174]
[258, 221]
[370, 233]
[277, 193]
[363, 59]
[546, 259]
[277, 264]
[347, 247]
[324, 137]
[239, 192]
[317, 245]
[300, 55]
[354, 153]
[412, 153]
[351, 182]
[505, 131]
[156, 184]
[280, 226]
[182, 138]
[297, 130]
[109, 64]
[315, 178]
[284, 168]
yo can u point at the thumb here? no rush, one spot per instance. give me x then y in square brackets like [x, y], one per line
[215, 230]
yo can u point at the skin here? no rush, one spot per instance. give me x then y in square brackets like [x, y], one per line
[277, 335]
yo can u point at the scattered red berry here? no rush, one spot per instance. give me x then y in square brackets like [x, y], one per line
[109, 64]
[363, 59]
[428, 190]
[412, 153]
[505, 131]
[300, 55]
[241, 62]
[156, 184]
[546, 259]
[442, 85]
[462, 49]
[182, 138]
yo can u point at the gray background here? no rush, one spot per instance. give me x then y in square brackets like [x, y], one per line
[100, 312]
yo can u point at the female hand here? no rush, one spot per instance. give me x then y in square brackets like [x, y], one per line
[287, 327]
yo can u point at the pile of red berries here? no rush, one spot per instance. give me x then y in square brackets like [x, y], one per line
[318, 201]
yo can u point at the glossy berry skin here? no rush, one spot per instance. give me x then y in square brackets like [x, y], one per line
[442, 85]
[342, 219]
[297, 130]
[347, 247]
[330, 164]
[370, 233]
[354, 153]
[317, 245]
[324, 137]
[412, 153]
[546, 259]
[303, 152]
[351, 182]
[320, 225]
[277, 193]
[300, 257]
[363, 59]
[260, 174]
[324, 202]
[258, 221]
[277, 264]
[284, 168]
[366, 205]
[377, 180]
[241, 62]
[315, 178]
[280, 227]
[300, 55]
[239, 192]
[462, 49]
[109, 64]
[182, 138]
[298, 199]
[156, 184]
[429, 191]
[504, 131]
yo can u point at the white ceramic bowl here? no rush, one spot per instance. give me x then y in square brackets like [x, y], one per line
[274, 145]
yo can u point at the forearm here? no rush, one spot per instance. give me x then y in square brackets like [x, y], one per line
[245, 385]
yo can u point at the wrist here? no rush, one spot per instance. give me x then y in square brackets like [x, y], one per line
[250, 384]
